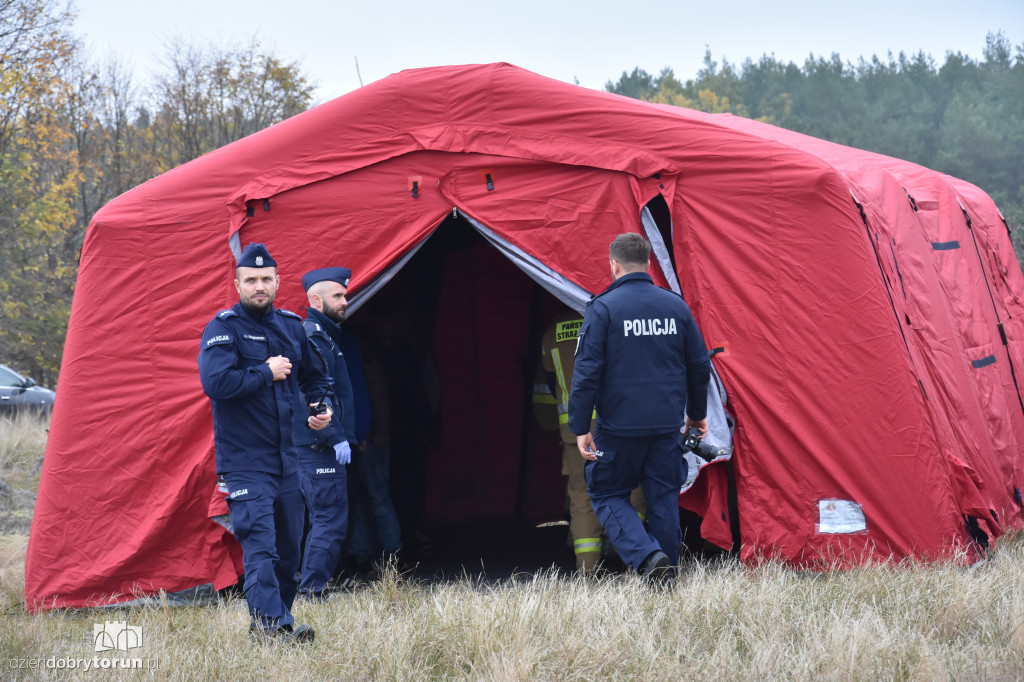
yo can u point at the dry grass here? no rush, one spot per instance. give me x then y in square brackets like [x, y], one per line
[721, 622]
[22, 442]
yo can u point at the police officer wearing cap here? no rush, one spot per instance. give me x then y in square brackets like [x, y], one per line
[254, 363]
[642, 362]
[324, 455]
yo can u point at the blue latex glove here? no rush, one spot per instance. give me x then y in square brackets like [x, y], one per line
[343, 452]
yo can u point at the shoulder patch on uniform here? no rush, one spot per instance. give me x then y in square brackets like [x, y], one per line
[287, 313]
[217, 340]
[314, 329]
[227, 313]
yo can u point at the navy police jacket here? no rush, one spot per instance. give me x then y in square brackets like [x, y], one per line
[252, 413]
[323, 333]
[639, 355]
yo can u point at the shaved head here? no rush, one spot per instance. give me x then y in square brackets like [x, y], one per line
[329, 297]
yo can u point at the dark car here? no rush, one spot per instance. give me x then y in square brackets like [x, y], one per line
[20, 393]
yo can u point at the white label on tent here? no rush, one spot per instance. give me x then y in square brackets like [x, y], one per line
[840, 516]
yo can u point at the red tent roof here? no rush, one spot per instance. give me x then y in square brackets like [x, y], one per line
[861, 299]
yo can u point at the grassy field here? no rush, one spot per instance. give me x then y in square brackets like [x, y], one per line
[720, 622]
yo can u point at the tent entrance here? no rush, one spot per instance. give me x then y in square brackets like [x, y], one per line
[473, 476]
[475, 479]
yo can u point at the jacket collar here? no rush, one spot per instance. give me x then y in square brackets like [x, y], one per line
[631, 277]
[264, 318]
[329, 325]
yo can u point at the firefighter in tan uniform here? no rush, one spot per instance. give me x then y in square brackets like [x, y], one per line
[558, 349]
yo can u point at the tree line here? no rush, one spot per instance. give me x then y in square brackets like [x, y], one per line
[963, 117]
[75, 133]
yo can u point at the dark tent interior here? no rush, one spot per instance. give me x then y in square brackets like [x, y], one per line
[475, 480]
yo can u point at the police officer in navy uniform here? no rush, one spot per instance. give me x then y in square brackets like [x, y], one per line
[254, 362]
[558, 346]
[324, 455]
[642, 362]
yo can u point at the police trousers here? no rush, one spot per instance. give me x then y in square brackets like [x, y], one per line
[584, 528]
[652, 462]
[324, 486]
[266, 518]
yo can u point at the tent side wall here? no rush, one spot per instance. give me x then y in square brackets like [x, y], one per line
[928, 319]
[969, 286]
[778, 266]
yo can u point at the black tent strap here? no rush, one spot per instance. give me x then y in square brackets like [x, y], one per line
[415, 189]
[721, 348]
[250, 210]
[913, 204]
[983, 362]
[490, 182]
[898, 273]
[946, 246]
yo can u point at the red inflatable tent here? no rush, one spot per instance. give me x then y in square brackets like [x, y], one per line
[869, 309]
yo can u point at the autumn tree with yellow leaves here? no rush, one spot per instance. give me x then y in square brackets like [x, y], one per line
[39, 174]
[74, 135]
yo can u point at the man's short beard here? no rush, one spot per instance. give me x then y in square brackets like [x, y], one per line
[251, 306]
[336, 316]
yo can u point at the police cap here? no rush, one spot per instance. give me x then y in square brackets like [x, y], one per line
[256, 256]
[339, 275]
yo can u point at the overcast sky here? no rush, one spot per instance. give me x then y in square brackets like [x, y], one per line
[589, 42]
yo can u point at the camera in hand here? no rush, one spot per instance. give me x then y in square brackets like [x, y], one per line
[691, 442]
